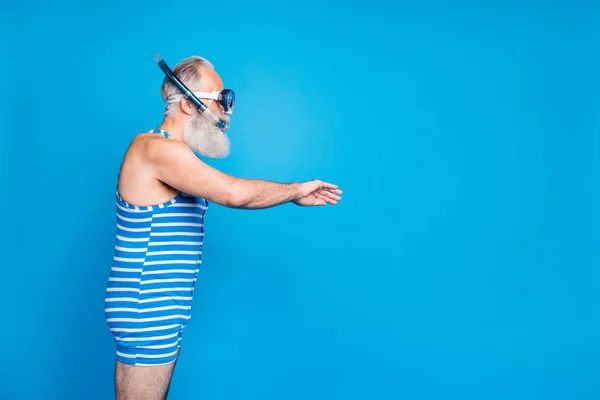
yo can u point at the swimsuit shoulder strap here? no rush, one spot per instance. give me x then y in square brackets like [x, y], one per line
[161, 132]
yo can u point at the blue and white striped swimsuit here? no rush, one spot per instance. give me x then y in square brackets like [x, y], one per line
[158, 252]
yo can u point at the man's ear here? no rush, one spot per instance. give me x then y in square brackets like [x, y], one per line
[186, 106]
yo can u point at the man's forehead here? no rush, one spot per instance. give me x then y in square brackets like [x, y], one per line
[211, 81]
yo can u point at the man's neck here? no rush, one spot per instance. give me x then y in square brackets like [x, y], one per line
[174, 128]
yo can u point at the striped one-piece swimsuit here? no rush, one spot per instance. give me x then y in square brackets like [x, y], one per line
[157, 256]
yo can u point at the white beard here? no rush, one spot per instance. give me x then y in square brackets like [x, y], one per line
[202, 136]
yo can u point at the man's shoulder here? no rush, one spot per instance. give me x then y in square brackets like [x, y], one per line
[155, 148]
[147, 137]
[145, 142]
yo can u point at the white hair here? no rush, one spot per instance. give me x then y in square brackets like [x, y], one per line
[187, 72]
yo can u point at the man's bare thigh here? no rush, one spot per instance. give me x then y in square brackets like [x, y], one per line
[142, 382]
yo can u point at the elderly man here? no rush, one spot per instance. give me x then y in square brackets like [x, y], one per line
[163, 192]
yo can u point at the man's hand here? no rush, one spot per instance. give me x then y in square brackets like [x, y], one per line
[317, 193]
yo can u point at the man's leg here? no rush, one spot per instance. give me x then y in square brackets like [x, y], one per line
[175, 365]
[143, 382]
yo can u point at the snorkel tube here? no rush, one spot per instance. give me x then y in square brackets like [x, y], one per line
[203, 108]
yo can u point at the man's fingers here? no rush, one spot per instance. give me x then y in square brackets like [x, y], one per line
[336, 191]
[327, 185]
[330, 195]
[325, 198]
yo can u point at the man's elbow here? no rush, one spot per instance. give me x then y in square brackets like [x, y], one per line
[235, 196]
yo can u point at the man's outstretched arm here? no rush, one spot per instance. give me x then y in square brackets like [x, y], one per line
[177, 166]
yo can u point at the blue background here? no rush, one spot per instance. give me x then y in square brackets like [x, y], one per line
[461, 264]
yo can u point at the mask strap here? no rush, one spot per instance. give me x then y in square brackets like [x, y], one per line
[203, 95]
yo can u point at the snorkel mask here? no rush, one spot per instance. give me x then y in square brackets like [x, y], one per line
[226, 98]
